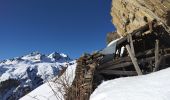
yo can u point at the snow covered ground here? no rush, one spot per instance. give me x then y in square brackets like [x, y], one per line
[53, 90]
[155, 86]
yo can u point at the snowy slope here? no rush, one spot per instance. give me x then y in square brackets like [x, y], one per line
[53, 90]
[20, 75]
[155, 86]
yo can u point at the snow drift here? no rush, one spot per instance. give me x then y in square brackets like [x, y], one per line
[154, 86]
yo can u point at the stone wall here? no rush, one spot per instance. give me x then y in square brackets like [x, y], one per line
[128, 15]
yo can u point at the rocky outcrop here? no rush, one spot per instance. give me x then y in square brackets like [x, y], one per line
[129, 15]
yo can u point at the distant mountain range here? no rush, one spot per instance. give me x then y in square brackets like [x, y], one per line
[20, 75]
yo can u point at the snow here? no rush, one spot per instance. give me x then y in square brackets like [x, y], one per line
[154, 86]
[60, 57]
[53, 90]
[63, 55]
[44, 92]
[16, 68]
[19, 70]
[111, 47]
[113, 42]
[31, 71]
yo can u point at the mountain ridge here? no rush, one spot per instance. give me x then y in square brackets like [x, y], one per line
[20, 75]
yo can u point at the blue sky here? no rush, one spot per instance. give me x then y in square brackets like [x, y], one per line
[69, 26]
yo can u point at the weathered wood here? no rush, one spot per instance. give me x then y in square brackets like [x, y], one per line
[118, 72]
[136, 32]
[145, 54]
[120, 65]
[113, 62]
[123, 64]
[151, 52]
[106, 59]
[156, 55]
[131, 43]
[134, 60]
[161, 59]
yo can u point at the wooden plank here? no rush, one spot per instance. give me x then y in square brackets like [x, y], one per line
[123, 62]
[118, 72]
[114, 62]
[156, 56]
[134, 60]
[126, 64]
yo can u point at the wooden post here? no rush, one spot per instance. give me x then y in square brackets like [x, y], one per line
[131, 43]
[156, 55]
[134, 60]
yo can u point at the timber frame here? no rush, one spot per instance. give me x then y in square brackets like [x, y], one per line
[147, 50]
[144, 53]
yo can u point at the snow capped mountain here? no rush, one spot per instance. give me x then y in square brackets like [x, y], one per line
[53, 90]
[20, 75]
[58, 57]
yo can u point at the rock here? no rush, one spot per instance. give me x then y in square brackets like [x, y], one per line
[129, 15]
[111, 36]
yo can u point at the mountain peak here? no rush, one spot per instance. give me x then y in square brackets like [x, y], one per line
[29, 71]
[35, 53]
[58, 56]
[53, 55]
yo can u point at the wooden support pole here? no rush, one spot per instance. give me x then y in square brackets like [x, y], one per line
[156, 55]
[134, 60]
[131, 44]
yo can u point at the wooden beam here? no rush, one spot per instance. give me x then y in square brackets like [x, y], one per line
[118, 72]
[134, 60]
[120, 65]
[124, 64]
[137, 32]
[114, 62]
[156, 56]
